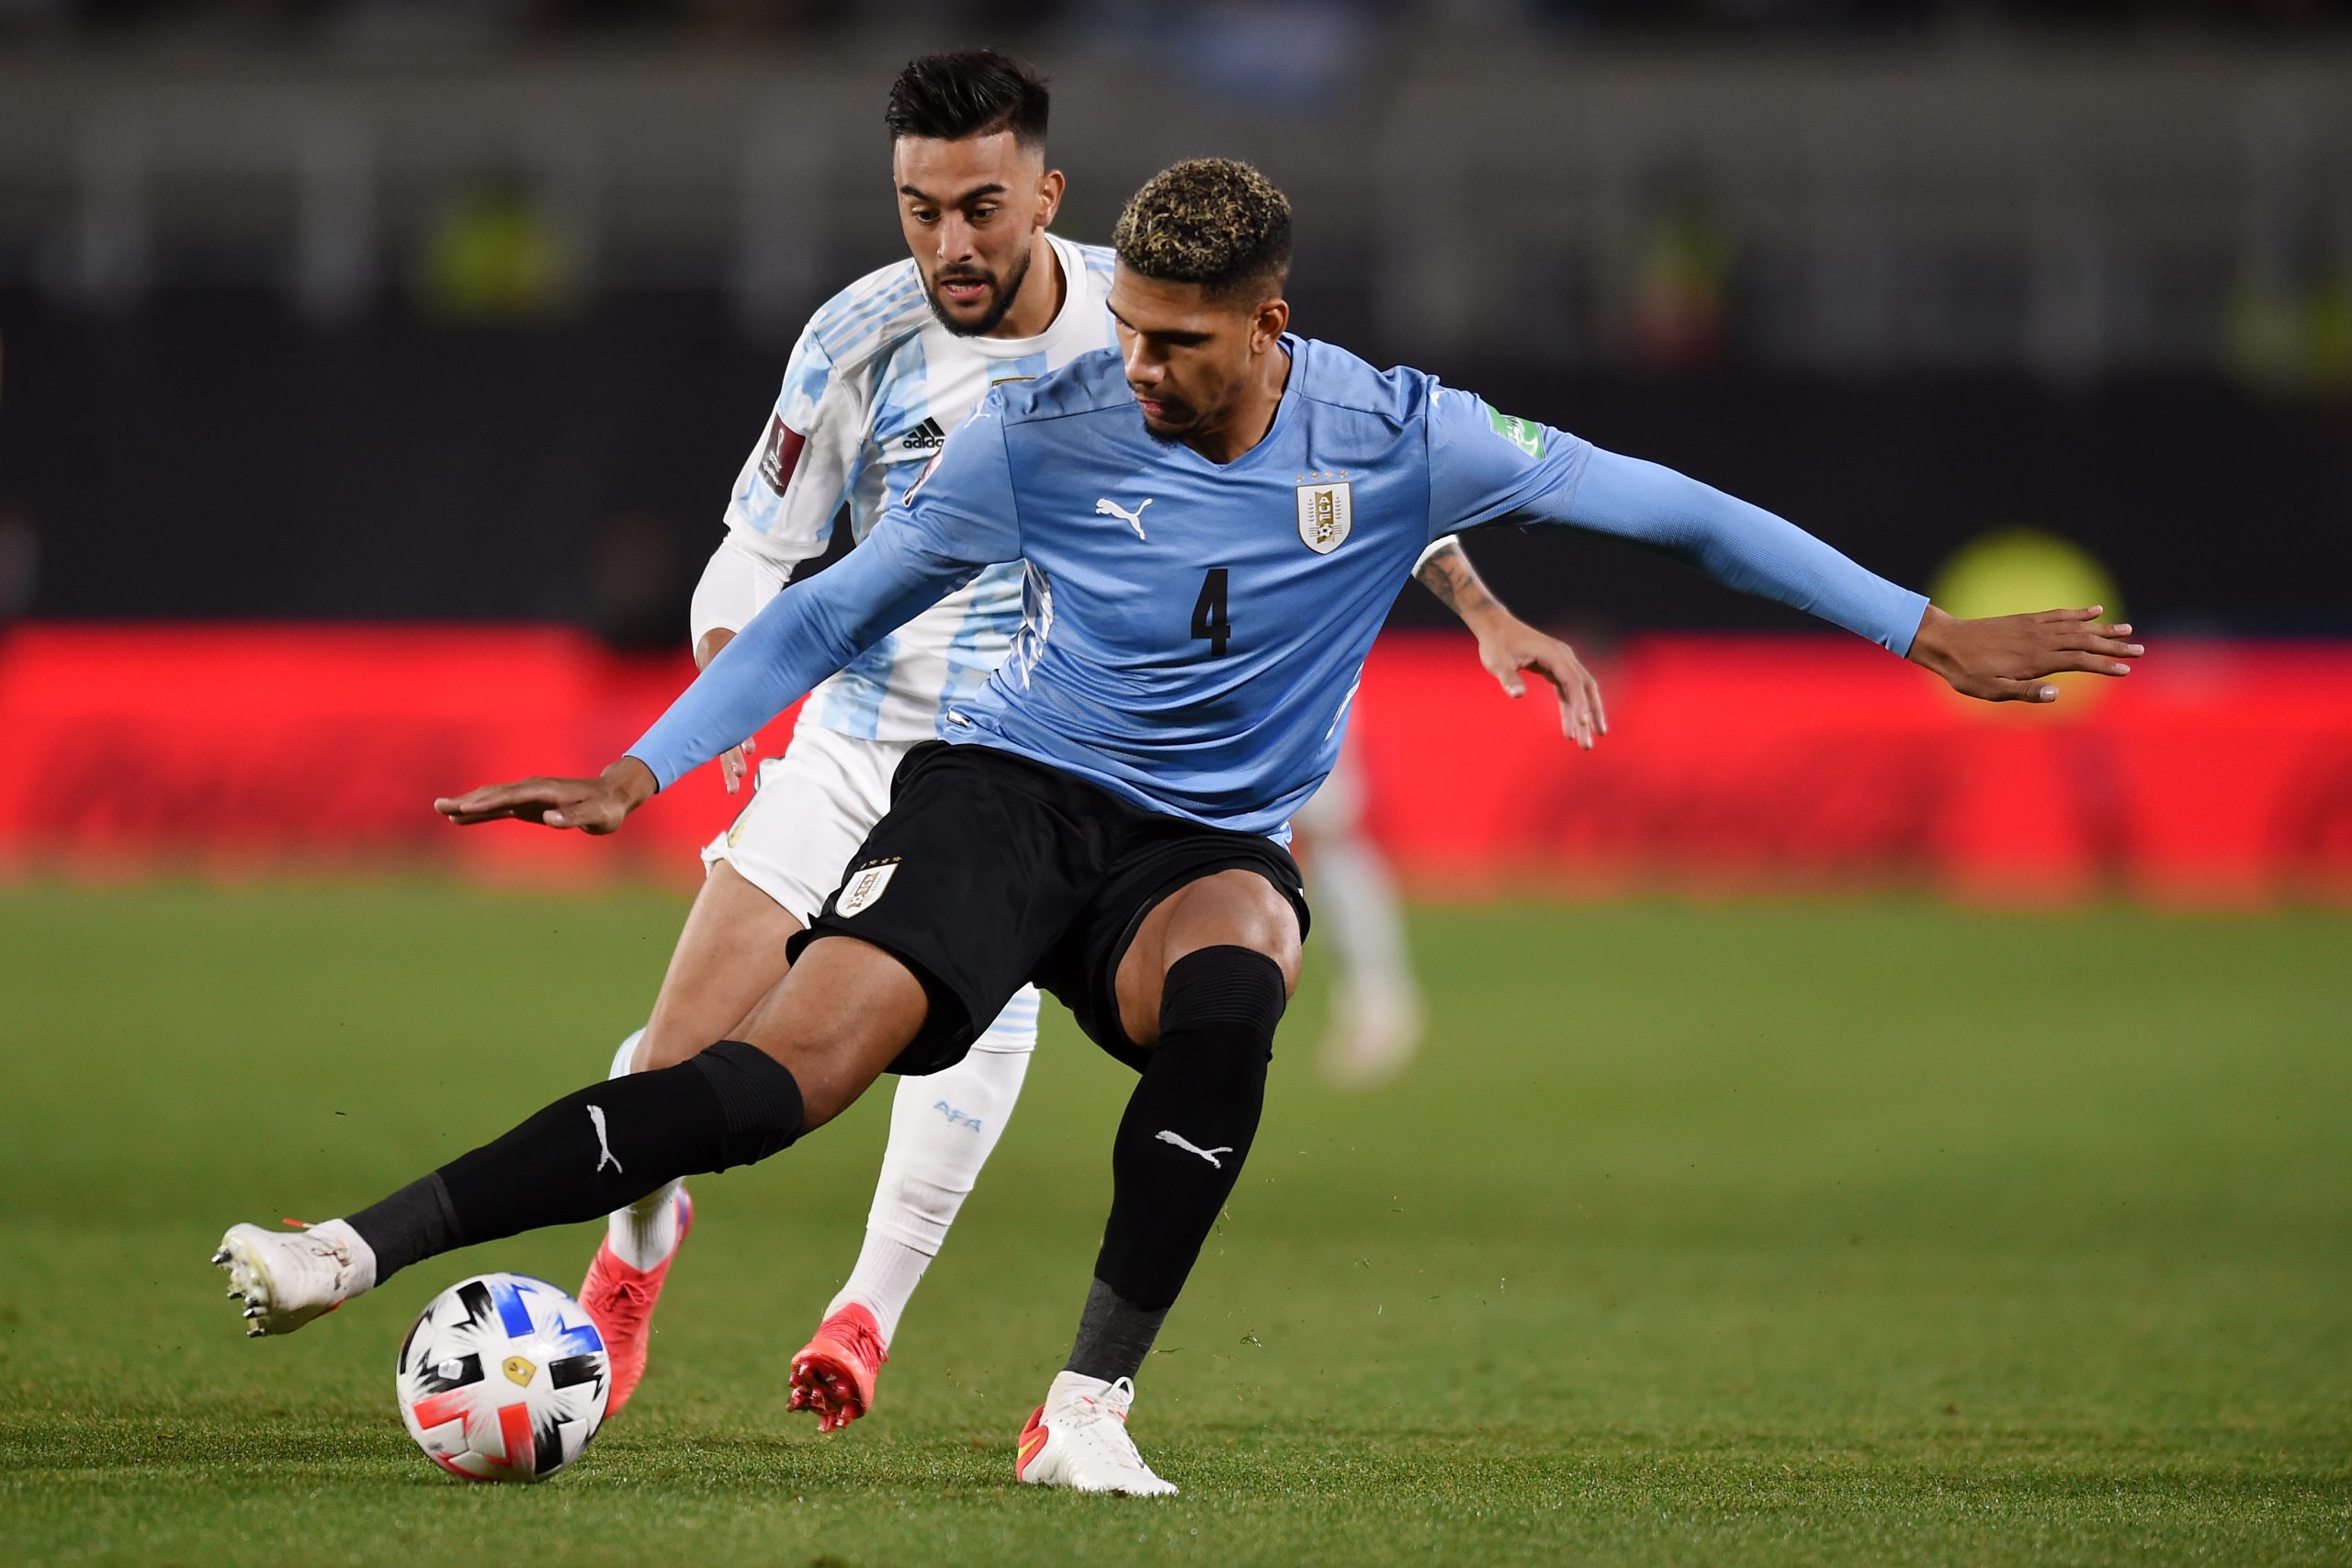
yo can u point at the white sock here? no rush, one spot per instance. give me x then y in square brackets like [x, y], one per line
[1358, 914]
[943, 1129]
[646, 1232]
[884, 1281]
[363, 1257]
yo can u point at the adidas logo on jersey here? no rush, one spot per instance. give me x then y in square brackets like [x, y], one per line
[924, 437]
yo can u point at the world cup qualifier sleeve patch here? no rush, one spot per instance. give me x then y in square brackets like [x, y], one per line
[1526, 434]
[780, 455]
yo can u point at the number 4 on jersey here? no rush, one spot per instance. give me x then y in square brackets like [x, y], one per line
[1209, 614]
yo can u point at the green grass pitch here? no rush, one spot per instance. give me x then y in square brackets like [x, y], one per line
[1866, 1233]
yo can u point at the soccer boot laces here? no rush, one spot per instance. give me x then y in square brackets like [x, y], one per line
[1079, 1438]
[834, 1375]
[620, 1300]
[286, 1280]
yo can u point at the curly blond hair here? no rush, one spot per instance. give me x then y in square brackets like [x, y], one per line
[1214, 221]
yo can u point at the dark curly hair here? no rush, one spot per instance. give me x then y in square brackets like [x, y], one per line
[971, 92]
[1214, 221]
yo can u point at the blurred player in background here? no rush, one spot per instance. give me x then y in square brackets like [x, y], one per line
[1375, 1003]
[884, 372]
[1376, 1014]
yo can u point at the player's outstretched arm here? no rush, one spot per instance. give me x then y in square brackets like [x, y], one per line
[2004, 659]
[805, 634]
[1507, 644]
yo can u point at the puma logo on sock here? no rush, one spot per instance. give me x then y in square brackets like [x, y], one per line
[604, 1144]
[1191, 1147]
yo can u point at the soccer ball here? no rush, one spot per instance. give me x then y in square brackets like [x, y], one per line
[503, 1378]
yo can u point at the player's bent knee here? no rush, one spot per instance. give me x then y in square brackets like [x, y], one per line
[1233, 996]
[759, 1099]
[1264, 925]
[1236, 907]
[1265, 919]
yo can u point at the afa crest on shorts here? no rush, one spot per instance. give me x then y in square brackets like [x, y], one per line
[865, 885]
[1325, 515]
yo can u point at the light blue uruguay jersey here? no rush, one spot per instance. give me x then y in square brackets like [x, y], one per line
[1194, 632]
[873, 387]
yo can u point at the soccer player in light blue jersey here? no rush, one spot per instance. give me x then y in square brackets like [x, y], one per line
[884, 371]
[1212, 520]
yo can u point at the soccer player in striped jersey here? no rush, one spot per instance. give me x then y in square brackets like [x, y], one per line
[884, 371]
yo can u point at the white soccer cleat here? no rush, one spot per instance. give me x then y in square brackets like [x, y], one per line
[286, 1280]
[1079, 1438]
[1372, 1037]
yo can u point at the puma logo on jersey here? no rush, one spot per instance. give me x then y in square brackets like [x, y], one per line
[1112, 509]
[1192, 1149]
[925, 437]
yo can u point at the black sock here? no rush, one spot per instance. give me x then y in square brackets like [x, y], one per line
[591, 1152]
[1114, 1336]
[417, 1222]
[1180, 1145]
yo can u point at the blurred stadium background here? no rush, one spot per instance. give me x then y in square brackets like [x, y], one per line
[375, 373]
[372, 377]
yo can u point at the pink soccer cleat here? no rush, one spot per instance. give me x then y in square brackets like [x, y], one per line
[620, 1300]
[834, 1375]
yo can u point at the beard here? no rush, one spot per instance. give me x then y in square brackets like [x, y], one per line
[1005, 294]
[1169, 435]
[1174, 431]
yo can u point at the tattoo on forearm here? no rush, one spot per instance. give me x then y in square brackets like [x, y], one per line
[1450, 576]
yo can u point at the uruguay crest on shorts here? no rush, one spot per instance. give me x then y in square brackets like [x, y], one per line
[1324, 516]
[864, 886]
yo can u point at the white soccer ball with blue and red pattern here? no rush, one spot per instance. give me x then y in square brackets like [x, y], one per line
[503, 1378]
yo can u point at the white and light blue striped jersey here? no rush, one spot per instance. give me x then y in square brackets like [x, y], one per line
[873, 389]
[1196, 629]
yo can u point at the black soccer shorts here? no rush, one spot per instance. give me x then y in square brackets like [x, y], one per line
[990, 871]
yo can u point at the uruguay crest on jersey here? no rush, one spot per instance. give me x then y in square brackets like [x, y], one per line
[1323, 515]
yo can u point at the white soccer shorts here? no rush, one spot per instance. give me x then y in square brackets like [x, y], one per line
[809, 810]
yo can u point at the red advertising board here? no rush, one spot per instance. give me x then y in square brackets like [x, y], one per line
[2216, 773]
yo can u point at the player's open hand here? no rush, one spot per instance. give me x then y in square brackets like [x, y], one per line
[2006, 659]
[1512, 646]
[594, 806]
[734, 762]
